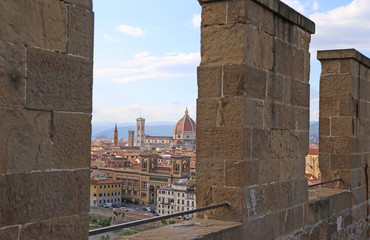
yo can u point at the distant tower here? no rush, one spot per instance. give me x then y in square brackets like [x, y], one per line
[131, 138]
[140, 132]
[115, 136]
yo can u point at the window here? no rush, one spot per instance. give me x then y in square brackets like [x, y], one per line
[94, 194]
[94, 186]
[108, 186]
[100, 186]
[100, 194]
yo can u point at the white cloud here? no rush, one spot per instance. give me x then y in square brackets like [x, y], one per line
[315, 5]
[297, 5]
[109, 38]
[128, 113]
[344, 27]
[196, 20]
[144, 66]
[129, 30]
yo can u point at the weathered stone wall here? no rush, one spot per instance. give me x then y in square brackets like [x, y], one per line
[253, 114]
[46, 49]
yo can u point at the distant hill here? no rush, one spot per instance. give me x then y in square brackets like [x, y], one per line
[154, 130]
[314, 130]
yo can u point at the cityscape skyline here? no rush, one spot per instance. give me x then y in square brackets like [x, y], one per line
[141, 68]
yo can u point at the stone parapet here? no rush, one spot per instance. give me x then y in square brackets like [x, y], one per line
[46, 53]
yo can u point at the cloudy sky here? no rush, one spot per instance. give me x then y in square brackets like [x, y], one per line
[146, 53]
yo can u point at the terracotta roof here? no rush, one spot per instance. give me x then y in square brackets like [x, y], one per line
[313, 151]
[148, 136]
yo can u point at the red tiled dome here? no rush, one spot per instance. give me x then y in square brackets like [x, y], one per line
[185, 124]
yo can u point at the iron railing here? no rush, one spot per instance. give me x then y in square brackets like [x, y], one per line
[326, 182]
[153, 219]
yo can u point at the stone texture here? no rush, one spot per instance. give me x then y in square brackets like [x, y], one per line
[299, 94]
[40, 23]
[80, 32]
[209, 81]
[26, 141]
[207, 117]
[220, 143]
[12, 71]
[82, 3]
[211, 172]
[9, 233]
[73, 227]
[43, 195]
[244, 80]
[58, 82]
[71, 135]
[339, 85]
[230, 112]
[253, 116]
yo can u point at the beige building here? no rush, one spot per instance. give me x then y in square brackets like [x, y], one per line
[176, 197]
[312, 165]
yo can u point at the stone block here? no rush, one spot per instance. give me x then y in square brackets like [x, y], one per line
[287, 169]
[80, 32]
[299, 143]
[234, 171]
[58, 82]
[43, 195]
[34, 23]
[324, 160]
[223, 44]
[300, 94]
[204, 199]
[278, 116]
[269, 170]
[207, 112]
[82, 3]
[330, 67]
[73, 227]
[259, 51]
[300, 191]
[329, 107]
[71, 136]
[286, 31]
[341, 126]
[253, 113]
[9, 233]
[26, 141]
[302, 118]
[12, 72]
[294, 218]
[301, 63]
[269, 226]
[214, 13]
[260, 140]
[275, 87]
[324, 126]
[223, 143]
[244, 80]
[209, 81]
[230, 112]
[350, 66]
[347, 107]
[335, 145]
[249, 12]
[338, 85]
[304, 39]
[284, 58]
[231, 195]
[339, 161]
[250, 173]
[211, 172]
[339, 202]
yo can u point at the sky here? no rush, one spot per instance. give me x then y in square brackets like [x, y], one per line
[146, 53]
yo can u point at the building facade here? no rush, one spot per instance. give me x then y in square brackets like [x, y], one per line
[177, 197]
[105, 191]
[140, 183]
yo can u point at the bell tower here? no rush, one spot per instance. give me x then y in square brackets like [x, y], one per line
[140, 132]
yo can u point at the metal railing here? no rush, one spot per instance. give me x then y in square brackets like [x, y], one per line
[326, 182]
[153, 219]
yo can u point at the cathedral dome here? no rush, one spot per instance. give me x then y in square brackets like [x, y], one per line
[185, 128]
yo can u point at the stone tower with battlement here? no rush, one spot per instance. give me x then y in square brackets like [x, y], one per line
[131, 135]
[115, 136]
